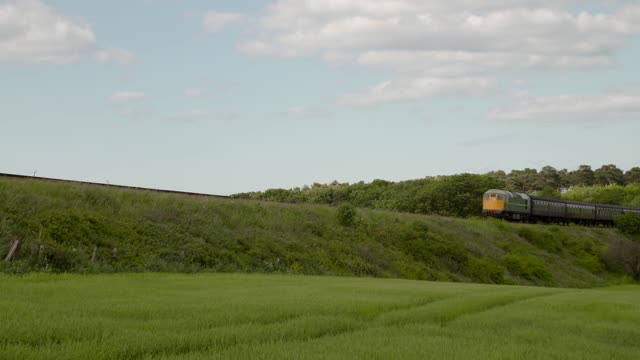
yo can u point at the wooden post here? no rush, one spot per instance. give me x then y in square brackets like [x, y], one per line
[13, 250]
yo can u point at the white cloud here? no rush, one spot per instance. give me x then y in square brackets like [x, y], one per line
[601, 108]
[127, 96]
[32, 32]
[214, 21]
[461, 63]
[416, 89]
[114, 56]
[297, 28]
[193, 92]
[129, 104]
[450, 40]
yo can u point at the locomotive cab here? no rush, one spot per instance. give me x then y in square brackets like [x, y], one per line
[506, 205]
[493, 202]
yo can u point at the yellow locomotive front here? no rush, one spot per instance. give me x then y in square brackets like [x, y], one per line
[493, 203]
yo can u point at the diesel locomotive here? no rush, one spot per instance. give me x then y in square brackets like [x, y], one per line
[522, 207]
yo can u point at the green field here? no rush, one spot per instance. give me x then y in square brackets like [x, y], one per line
[204, 316]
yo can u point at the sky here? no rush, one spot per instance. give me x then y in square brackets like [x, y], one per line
[229, 96]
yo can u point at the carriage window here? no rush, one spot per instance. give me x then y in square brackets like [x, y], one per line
[486, 196]
[501, 197]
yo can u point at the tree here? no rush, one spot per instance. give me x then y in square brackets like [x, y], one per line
[456, 195]
[549, 192]
[498, 175]
[549, 177]
[632, 176]
[523, 180]
[565, 178]
[609, 175]
[584, 176]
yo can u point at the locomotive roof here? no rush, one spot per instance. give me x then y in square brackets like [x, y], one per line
[509, 193]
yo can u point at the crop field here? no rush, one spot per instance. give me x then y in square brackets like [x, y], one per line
[204, 316]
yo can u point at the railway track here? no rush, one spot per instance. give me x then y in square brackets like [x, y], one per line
[186, 193]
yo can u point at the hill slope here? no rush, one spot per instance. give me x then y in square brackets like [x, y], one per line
[64, 225]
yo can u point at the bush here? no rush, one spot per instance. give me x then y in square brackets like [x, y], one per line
[545, 240]
[347, 215]
[591, 263]
[527, 267]
[486, 271]
[452, 253]
[628, 223]
[623, 256]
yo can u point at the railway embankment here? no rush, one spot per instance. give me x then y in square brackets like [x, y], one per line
[83, 228]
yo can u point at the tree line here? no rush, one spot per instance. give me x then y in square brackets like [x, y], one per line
[530, 180]
[455, 195]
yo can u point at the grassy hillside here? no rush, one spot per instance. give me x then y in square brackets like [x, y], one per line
[237, 316]
[62, 226]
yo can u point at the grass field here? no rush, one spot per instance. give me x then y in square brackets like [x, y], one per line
[204, 316]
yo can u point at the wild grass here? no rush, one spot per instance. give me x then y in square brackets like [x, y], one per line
[62, 225]
[209, 316]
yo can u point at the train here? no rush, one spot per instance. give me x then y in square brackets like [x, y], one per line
[514, 206]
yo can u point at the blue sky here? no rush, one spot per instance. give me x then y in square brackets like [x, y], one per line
[228, 96]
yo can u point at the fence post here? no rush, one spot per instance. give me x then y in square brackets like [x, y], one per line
[13, 250]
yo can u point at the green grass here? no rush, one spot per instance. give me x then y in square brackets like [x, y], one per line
[61, 224]
[208, 316]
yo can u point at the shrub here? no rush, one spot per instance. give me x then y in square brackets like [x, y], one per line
[545, 240]
[347, 215]
[624, 256]
[452, 253]
[527, 267]
[486, 271]
[628, 223]
[591, 263]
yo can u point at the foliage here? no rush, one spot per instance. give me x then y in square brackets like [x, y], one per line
[584, 176]
[457, 195]
[460, 195]
[628, 223]
[549, 192]
[487, 271]
[624, 256]
[346, 215]
[632, 176]
[591, 263]
[612, 194]
[609, 175]
[543, 239]
[528, 267]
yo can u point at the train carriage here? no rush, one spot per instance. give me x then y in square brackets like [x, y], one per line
[522, 207]
[541, 207]
[608, 213]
